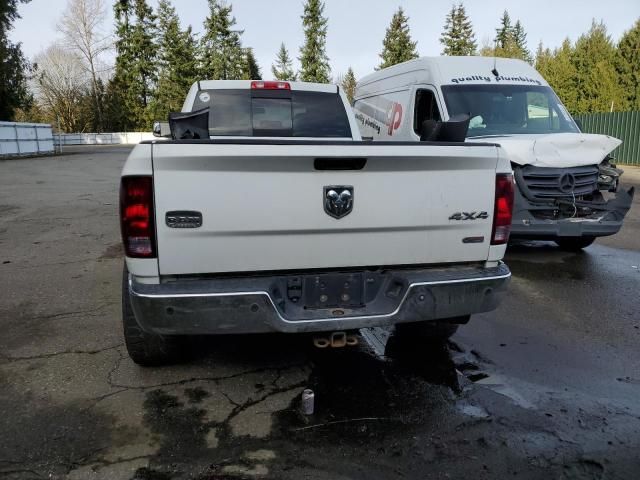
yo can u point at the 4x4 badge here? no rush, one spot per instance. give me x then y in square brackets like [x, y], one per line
[469, 216]
[338, 200]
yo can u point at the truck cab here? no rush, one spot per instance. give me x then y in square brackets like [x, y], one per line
[568, 189]
[273, 109]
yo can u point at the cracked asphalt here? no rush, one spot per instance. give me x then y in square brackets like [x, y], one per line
[548, 386]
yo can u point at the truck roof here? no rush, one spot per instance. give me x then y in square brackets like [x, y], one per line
[246, 84]
[455, 70]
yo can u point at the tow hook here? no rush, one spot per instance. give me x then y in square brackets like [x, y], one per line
[335, 340]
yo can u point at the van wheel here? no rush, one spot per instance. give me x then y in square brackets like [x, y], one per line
[574, 244]
[430, 332]
[146, 349]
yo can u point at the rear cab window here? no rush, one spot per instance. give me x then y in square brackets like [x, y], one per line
[274, 113]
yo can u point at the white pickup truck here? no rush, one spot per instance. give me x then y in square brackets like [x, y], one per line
[282, 220]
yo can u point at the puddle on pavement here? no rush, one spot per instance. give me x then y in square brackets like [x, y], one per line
[182, 427]
[388, 406]
[377, 391]
[385, 383]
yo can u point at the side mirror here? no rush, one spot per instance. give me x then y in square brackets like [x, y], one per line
[454, 130]
[189, 125]
[161, 129]
[429, 130]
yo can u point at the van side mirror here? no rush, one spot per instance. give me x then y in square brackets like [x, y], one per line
[161, 129]
[429, 130]
[189, 125]
[454, 130]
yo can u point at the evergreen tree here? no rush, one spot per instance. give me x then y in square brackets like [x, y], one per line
[251, 69]
[144, 65]
[283, 68]
[628, 65]
[314, 63]
[510, 41]
[177, 61]
[221, 48]
[348, 84]
[118, 96]
[8, 14]
[397, 46]
[13, 66]
[597, 85]
[504, 33]
[130, 90]
[458, 37]
[520, 42]
[544, 58]
[558, 69]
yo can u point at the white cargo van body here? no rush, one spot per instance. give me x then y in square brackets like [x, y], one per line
[567, 189]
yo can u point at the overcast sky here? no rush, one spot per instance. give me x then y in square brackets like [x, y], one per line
[357, 27]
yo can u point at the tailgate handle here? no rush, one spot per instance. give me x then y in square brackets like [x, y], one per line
[339, 163]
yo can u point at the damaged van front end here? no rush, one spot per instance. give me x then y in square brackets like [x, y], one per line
[568, 189]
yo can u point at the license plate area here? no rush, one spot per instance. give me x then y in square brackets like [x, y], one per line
[340, 290]
[322, 295]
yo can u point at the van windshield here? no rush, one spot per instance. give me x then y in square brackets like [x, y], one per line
[508, 109]
[248, 113]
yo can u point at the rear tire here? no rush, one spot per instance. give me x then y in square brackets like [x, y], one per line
[146, 349]
[430, 332]
[574, 244]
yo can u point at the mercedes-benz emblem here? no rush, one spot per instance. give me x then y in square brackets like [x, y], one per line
[567, 183]
[338, 200]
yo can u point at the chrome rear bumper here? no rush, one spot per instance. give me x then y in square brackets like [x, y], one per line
[257, 304]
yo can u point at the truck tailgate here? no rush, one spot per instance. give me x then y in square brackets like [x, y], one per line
[262, 205]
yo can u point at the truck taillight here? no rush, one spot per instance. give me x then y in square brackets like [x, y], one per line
[503, 209]
[136, 217]
[270, 85]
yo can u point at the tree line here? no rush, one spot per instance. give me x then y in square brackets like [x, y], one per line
[14, 68]
[70, 84]
[592, 74]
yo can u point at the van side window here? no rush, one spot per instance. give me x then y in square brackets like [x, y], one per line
[426, 109]
[540, 115]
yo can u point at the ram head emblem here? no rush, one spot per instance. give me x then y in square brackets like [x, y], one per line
[338, 200]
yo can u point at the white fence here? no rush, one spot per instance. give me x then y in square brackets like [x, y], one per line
[102, 138]
[37, 138]
[25, 139]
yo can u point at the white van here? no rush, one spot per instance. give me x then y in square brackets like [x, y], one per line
[568, 190]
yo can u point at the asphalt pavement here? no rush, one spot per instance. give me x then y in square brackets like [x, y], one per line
[547, 386]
